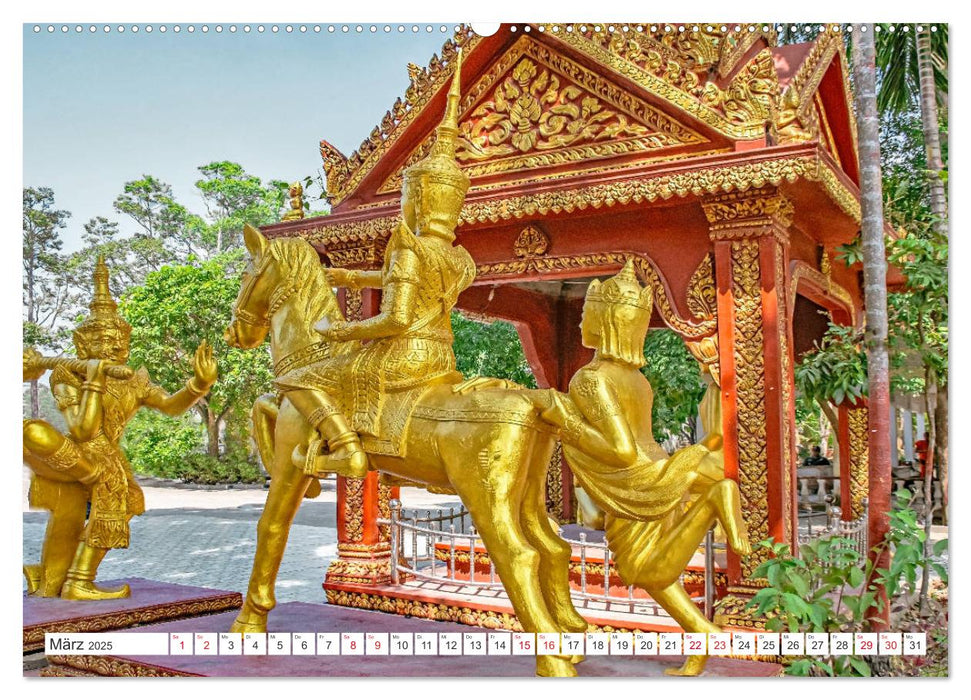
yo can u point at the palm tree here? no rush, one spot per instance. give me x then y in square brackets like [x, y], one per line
[913, 66]
[875, 291]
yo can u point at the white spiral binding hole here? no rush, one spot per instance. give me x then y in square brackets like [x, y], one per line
[445, 29]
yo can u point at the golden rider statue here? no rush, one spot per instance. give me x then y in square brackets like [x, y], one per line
[411, 338]
[658, 507]
[98, 395]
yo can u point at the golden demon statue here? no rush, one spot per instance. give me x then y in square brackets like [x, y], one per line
[394, 404]
[98, 395]
[605, 426]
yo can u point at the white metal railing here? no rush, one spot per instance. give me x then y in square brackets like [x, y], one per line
[415, 539]
[853, 530]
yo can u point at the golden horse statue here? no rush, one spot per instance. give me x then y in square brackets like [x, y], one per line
[487, 446]
[396, 404]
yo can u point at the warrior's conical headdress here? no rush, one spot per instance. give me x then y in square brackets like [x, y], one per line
[622, 288]
[624, 316]
[441, 183]
[104, 315]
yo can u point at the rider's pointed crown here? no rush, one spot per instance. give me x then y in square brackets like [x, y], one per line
[622, 288]
[440, 181]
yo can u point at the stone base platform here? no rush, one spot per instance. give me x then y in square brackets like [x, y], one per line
[304, 617]
[489, 607]
[150, 602]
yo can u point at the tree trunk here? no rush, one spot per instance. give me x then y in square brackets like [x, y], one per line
[932, 134]
[834, 431]
[875, 298]
[935, 166]
[212, 430]
[929, 385]
[34, 399]
[940, 442]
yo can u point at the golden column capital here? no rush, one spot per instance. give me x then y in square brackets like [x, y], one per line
[750, 214]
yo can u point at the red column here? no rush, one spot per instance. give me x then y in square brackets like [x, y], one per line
[748, 231]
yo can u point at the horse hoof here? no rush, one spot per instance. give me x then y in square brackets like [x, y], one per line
[555, 667]
[249, 624]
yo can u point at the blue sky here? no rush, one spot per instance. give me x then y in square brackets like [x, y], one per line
[102, 109]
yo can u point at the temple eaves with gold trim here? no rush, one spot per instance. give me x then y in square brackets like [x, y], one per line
[562, 100]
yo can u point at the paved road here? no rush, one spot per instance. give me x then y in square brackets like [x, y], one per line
[208, 538]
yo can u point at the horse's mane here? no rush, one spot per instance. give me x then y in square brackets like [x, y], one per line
[298, 260]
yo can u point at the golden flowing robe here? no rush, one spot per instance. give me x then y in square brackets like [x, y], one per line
[644, 499]
[377, 385]
[115, 496]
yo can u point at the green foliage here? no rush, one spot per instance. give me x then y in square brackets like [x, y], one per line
[808, 416]
[46, 292]
[176, 309]
[907, 537]
[836, 369]
[171, 448]
[897, 64]
[205, 469]
[232, 198]
[490, 350]
[829, 587]
[676, 380]
[157, 445]
[820, 590]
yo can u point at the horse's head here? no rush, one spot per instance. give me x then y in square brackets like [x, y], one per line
[283, 275]
[251, 312]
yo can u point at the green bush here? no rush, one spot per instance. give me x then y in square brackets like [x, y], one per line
[157, 445]
[830, 587]
[204, 469]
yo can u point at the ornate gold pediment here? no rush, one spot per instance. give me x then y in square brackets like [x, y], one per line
[536, 108]
[677, 66]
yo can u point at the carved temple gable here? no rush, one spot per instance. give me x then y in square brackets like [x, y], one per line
[536, 108]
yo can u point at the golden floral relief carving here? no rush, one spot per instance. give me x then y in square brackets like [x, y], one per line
[354, 509]
[554, 483]
[750, 392]
[531, 242]
[701, 290]
[534, 109]
[355, 240]
[788, 408]
[739, 111]
[859, 460]
[759, 207]
[537, 108]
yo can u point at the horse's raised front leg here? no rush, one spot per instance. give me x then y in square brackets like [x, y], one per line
[287, 487]
[493, 491]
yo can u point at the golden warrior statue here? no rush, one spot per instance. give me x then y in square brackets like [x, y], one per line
[421, 279]
[98, 395]
[605, 427]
